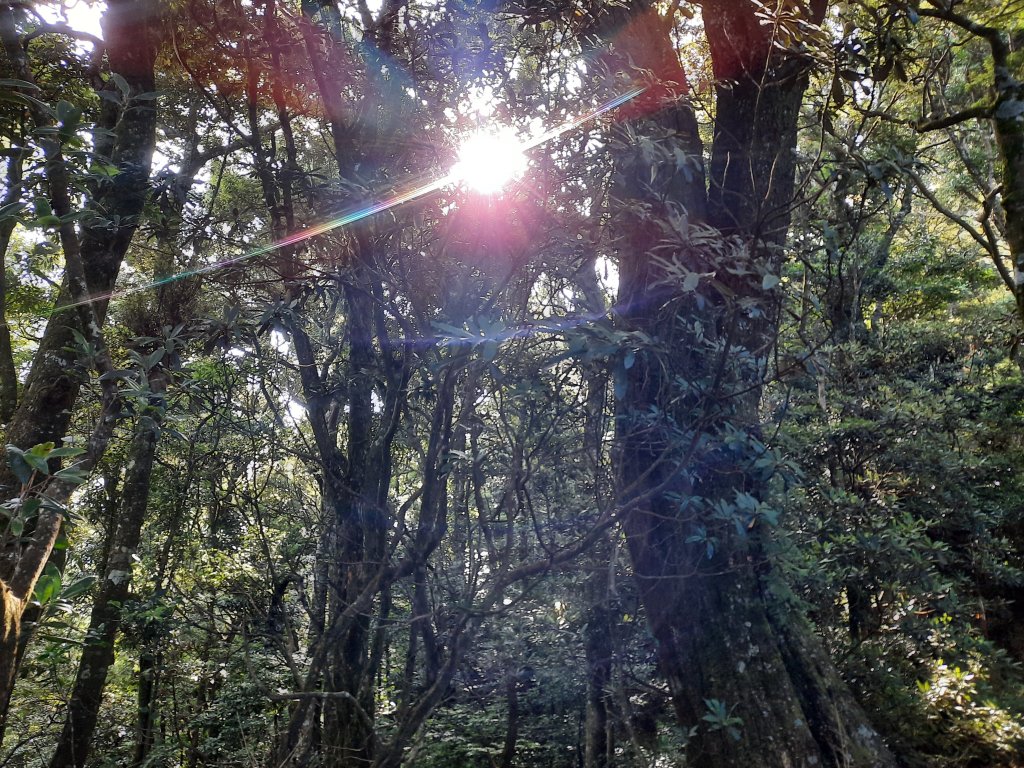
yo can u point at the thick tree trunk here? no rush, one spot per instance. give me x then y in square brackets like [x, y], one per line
[758, 691]
[348, 723]
[51, 388]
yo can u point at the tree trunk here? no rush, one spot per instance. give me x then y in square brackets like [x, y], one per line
[8, 374]
[51, 388]
[508, 750]
[355, 484]
[598, 642]
[1005, 114]
[145, 718]
[598, 648]
[758, 692]
[98, 653]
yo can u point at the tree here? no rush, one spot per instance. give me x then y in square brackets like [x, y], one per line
[92, 255]
[697, 265]
[1004, 110]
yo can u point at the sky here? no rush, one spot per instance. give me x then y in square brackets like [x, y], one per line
[84, 17]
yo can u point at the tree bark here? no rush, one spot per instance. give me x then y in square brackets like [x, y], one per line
[508, 750]
[356, 482]
[598, 647]
[129, 516]
[598, 640]
[51, 389]
[145, 717]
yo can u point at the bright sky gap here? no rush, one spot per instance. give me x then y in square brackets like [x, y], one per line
[358, 214]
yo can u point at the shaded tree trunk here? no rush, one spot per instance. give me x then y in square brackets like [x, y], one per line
[598, 641]
[129, 512]
[146, 712]
[599, 649]
[508, 750]
[8, 374]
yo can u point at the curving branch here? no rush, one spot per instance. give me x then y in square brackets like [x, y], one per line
[978, 112]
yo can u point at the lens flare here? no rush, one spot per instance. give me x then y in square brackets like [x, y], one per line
[489, 160]
[478, 162]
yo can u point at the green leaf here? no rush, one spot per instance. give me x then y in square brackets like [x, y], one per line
[69, 116]
[121, 84]
[488, 350]
[104, 171]
[66, 111]
[10, 82]
[78, 587]
[153, 358]
[770, 281]
[11, 209]
[451, 331]
[48, 586]
[24, 98]
[73, 475]
[38, 463]
[691, 281]
[117, 375]
[44, 222]
[16, 461]
[66, 450]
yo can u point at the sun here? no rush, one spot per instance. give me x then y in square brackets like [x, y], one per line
[489, 160]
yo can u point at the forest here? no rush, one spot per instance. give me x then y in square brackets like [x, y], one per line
[512, 383]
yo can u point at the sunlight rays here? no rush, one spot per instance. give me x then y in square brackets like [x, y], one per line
[478, 168]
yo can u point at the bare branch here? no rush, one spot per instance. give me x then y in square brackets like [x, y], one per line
[61, 28]
[956, 218]
[976, 112]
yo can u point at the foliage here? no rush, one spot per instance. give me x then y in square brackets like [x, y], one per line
[384, 521]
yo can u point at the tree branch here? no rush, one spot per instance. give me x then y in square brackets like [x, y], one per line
[971, 113]
[956, 218]
[63, 29]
